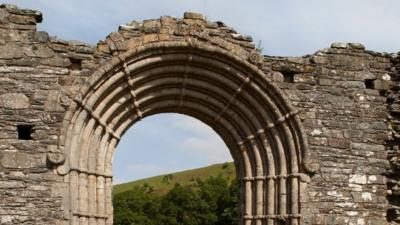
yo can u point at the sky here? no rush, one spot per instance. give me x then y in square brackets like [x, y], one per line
[165, 143]
[280, 28]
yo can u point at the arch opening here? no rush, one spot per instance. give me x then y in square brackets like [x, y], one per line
[172, 161]
[166, 143]
[261, 129]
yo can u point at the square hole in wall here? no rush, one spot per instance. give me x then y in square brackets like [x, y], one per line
[288, 76]
[76, 64]
[25, 132]
[369, 83]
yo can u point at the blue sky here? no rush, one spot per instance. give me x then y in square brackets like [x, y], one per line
[285, 28]
[164, 143]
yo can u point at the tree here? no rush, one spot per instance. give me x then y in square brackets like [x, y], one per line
[184, 205]
[136, 206]
[222, 197]
[209, 202]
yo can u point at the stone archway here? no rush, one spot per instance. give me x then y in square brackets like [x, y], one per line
[64, 105]
[205, 81]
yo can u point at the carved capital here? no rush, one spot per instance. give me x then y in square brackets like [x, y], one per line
[311, 167]
[305, 178]
[56, 158]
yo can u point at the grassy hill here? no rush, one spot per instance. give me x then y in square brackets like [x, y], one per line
[163, 183]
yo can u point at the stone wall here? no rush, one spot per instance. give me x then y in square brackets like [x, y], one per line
[393, 144]
[35, 68]
[348, 99]
[343, 94]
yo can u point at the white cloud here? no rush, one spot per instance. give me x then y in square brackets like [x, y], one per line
[194, 126]
[211, 148]
[201, 140]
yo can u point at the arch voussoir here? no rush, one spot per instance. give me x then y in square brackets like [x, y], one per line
[202, 79]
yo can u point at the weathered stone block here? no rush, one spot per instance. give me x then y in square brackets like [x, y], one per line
[58, 189]
[18, 160]
[56, 61]
[43, 51]
[41, 36]
[376, 179]
[360, 197]
[11, 51]
[319, 59]
[151, 26]
[3, 15]
[150, 38]
[358, 179]
[194, 16]
[382, 84]
[368, 147]
[304, 78]
[338, 143]
[328, 82]
[339, 45]
[356, 45]
[353, 133]
[14, 101]
[11, 184]
[19, 19]
[13, 9]
[277, 76]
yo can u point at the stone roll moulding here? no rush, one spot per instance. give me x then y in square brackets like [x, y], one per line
[207, 82]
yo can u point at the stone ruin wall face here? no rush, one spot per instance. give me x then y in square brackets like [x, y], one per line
[347, 99]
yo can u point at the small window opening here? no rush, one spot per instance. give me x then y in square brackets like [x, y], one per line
[369, 83]
[76, 64]
[288, 76]
[391, 215]
[25, 132]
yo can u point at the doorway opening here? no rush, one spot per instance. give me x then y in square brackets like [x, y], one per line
[174, 169]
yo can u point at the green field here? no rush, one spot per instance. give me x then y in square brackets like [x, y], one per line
[163, 183]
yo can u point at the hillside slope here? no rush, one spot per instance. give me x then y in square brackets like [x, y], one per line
[163, 183]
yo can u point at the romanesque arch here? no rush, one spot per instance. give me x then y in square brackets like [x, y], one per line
[64, 106]
[261, 129]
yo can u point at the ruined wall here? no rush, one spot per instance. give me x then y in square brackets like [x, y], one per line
[393, 144]
[343, 94]
[347, 97]
[35, 68]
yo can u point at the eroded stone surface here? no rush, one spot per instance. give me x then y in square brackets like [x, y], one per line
[14, 101]
[18, 160]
